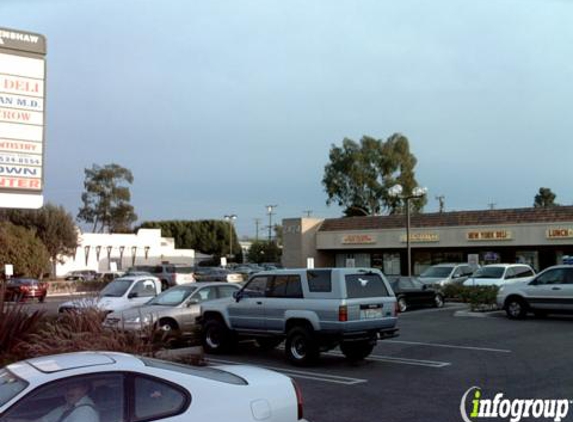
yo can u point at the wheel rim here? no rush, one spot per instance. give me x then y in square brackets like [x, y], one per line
[402, 305]
[439, 301]
[514, 308]
[298, 348]
[213, 339]
[166, 328]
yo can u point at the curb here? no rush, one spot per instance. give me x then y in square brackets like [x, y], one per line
[474, 314]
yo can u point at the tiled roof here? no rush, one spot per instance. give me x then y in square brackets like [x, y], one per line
[557, 214]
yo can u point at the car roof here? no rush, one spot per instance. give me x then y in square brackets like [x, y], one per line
[78, 360]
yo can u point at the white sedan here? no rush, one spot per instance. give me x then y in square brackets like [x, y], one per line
[117, 387]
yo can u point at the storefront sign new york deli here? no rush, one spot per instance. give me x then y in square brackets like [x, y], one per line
[489, 235]
[421, 237]
[559, 233]
[358, 239]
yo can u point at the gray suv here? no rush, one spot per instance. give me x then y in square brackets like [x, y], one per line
[444, 274]
[312, 310]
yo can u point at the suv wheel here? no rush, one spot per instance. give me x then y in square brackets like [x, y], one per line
[439, 301]
[402, 304]
[164, 285]
[300, 347]
[356, 350]
[515, 308]
[216, 336]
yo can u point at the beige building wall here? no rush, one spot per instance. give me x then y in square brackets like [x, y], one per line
[299, 243]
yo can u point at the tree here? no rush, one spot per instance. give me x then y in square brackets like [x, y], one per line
[207, 236]
[264, 251]
[106, 199]
[52, 224]
[21, 248]
[545, 198]
[359, 175]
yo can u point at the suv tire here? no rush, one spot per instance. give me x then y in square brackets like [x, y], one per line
[356, 350]
[515, 308]
[402, 304]
[216, 337]
[300, 348]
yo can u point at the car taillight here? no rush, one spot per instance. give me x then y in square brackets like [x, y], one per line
[342, 313]
[299, 403]
[24, 288]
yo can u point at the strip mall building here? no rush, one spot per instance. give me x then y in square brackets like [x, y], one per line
[540, 237]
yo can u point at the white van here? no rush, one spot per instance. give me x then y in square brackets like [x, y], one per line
[121, 294]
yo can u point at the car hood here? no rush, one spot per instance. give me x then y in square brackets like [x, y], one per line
[102, 303]
[431, 280]
[142, 311]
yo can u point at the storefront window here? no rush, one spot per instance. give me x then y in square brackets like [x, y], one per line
[530, 258]
[391, 263]
[352, 260]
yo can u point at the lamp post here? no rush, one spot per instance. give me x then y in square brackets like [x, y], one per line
[270, 209]
[230, 218]
[396, 191]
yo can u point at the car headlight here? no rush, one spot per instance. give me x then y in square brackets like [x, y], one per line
[501, 290]
[138, 320]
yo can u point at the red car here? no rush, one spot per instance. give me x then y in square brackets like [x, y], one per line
[23, 288]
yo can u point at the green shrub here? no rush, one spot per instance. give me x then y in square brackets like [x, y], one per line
[479, 297]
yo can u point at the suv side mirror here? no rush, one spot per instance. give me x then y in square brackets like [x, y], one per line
[131, 295]
[193, 301]
[238, 295]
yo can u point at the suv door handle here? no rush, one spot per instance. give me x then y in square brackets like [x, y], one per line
[556, 288]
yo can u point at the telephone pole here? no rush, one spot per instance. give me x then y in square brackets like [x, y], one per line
[270, 209]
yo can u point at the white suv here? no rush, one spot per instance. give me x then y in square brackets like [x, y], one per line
[550, 291]
[500, 275]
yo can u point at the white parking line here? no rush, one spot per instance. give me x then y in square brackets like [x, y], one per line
[311, 375]
[450, 346]
[402, 361]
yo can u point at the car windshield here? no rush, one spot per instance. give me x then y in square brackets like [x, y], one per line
[437, 272]
[116, 288]
[489, 272]
[173, 297]
[10, 386]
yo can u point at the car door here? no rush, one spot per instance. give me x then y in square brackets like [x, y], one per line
[547, 290]
[283, 295]
[247, 311]
[141, 292]
[188, 316]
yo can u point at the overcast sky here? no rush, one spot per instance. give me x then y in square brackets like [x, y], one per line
[222, 107]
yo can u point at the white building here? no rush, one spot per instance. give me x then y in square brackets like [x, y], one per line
[103, 251]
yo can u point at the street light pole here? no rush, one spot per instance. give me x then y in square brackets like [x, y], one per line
[417, 192]
[230, 218]
[270, 209]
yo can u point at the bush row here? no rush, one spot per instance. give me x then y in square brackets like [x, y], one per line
[478, 297]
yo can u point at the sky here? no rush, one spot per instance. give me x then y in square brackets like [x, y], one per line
[224, 107]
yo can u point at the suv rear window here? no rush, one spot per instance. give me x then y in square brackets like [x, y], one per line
[319, 280]
[365, 285]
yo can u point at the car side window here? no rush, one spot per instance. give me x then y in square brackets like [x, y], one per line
[457, 273]
[556, 276]
[156, 399]
[288, 286]
[206, 293]
[89, 398]
[569, 276]
[523, 272]
[405, 284]
[144, 288]
[256, 287]
[509, 273]
[226, 291]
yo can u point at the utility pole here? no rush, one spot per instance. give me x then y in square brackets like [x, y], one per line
[270, 209]
[442, 200]
[257, 223]
[307, 212]
[492, 205]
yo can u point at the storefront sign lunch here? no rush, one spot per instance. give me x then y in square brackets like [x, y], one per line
[358, 239]
[559, 233]
[489, 235]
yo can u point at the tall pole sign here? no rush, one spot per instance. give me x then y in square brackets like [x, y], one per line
[22, 118]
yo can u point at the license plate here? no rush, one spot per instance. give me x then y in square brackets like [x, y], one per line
[371, 313]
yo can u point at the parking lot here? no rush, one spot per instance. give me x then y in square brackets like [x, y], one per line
[423, 374]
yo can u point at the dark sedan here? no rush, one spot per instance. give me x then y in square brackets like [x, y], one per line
[18, 289]
[411, 293]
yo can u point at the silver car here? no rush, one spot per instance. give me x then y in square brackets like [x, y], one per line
[173, 312]
[444, 274]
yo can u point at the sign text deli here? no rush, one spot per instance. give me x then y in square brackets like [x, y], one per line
[22, 95]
